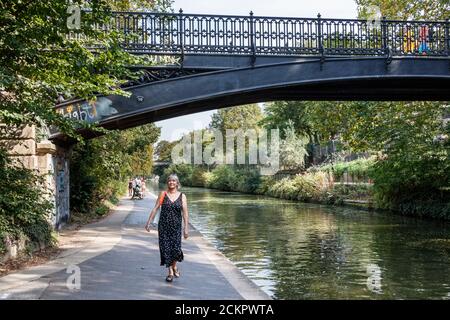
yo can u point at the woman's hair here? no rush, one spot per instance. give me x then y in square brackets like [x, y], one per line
[173, 176]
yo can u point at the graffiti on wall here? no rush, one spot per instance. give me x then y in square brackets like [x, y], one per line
[61, 181]
[89, 111]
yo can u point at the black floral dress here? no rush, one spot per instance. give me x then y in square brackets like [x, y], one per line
[169, 229]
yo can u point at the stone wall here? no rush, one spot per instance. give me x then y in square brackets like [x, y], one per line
[45, 157]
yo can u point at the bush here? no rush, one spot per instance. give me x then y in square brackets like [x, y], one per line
[309, 186]
[248, 180]
[208, 177]
[198, 177]
[101, 210]
[265, 183]
[304, 187]
[360, 168]
[414, 186]
[284, 189]
[353, 191]
[25, 208]
[224, 178]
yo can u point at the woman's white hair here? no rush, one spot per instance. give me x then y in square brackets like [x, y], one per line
[173, 176]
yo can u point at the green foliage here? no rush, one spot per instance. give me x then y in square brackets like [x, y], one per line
[249, 180]
[198, 178]
[189, 175]
[278, 114]
[32, 78]
[359, 191]
[24, 204]
[183, 171]
[415, 166]
[101, 167]
[233, 178]
[265, 183]
[141, 5]
[282, 189]
[163, 150]
[360, 168]
[101, 210]
[224, 178]
[414, 186]
[303, 187]
[293, 149]
[318, 120]
[240, 117]
[406, 9]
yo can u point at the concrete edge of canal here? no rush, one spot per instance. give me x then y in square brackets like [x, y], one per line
[238, 280]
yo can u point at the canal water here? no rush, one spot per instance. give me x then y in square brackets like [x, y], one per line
[306, 251]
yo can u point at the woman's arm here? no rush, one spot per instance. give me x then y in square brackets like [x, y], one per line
[185, 216]
[153, 212]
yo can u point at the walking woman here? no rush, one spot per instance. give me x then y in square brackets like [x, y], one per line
[173, 210]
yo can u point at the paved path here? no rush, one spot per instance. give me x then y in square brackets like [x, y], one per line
[118, 259]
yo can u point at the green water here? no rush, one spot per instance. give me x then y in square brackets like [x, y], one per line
[306, 251]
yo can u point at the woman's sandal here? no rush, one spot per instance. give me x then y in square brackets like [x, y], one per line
[169, 278]
[176, 272]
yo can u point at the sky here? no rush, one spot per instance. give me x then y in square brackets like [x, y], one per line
[173, 129]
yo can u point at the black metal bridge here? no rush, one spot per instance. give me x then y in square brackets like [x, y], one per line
[217, 61]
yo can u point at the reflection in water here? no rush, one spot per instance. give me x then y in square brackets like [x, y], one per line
[305, 251]
[374, 278]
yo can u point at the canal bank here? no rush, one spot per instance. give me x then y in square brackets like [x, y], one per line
[117, 259]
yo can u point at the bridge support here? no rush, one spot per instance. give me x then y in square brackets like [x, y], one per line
[26, 148]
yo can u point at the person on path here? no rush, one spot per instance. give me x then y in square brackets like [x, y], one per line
[174, 210]
[130, 188]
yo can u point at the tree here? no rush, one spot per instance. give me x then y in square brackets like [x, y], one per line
[163, 150]
[240, 117]
[142, 161]
[293, 149]
[39, 64]
[278, 114]
[320, 121]
[244, 117]
[100, 167]
[406, 9]
[142, 5]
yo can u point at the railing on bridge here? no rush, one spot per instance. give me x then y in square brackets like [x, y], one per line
[179, 34]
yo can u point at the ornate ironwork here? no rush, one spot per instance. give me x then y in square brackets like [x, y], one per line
[180, 34]
[163, 73]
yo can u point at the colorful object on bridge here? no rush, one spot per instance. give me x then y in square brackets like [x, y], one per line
[423, 38]
[409, 42]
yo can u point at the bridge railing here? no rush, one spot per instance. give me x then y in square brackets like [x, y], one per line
[179, 33]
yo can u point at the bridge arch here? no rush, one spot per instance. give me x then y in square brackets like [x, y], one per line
[355, 78]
